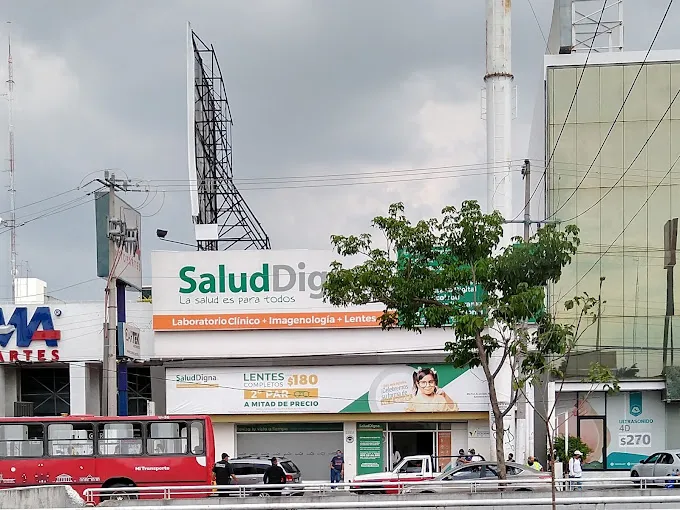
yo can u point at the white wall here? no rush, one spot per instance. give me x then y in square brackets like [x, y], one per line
[81, 330]
[85, 388]
[479, 438]
[231, 344]
[459, 438]
[9, 389]
[225, 439]
[350, 449]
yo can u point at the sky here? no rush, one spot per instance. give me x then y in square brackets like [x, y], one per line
[330, 101]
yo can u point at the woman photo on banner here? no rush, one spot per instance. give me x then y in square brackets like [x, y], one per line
[427, 395]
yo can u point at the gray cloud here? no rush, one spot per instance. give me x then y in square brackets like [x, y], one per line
[315, 88]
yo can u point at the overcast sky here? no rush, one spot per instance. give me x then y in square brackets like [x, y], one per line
[315, 88]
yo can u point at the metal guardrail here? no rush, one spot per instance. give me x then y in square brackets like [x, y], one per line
[428, 503]
[326, 488]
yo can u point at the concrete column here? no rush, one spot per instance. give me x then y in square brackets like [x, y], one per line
[225, 439]
[350, 449]
[158, 389]
[93, 400]
[78, 378]
[9, 389]
[504, 393]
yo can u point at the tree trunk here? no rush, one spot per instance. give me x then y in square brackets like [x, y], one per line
[495, 408]
[551, 464]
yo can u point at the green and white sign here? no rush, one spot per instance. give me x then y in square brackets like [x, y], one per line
[470, 295]
[636, 427]
[370, 448]
[335, 389]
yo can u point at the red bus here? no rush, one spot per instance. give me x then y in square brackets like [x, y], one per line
[100, 451]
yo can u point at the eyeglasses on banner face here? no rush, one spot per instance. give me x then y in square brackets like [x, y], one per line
[426, 383]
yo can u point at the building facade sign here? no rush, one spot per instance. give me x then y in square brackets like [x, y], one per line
[248, 290]
[326, 389]
[128, 256]
[129, 341]
[28, 335]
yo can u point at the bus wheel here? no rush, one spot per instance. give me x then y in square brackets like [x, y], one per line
[122, 494]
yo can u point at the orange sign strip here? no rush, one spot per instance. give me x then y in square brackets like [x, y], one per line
[281, 394]
[274, 320]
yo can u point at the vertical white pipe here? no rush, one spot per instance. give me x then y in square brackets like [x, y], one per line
[498, 81]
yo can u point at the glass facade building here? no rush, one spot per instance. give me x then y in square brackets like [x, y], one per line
[614, 172]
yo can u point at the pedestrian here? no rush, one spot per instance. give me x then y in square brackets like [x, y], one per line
[461, 458]
[534, 464]
[576, 470]
[337, 467]
[511, 458]
[223, 474]
[275, 475]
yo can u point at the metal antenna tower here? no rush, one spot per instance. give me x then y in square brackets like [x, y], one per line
[12, 190]
[585, 31]
[217, 205]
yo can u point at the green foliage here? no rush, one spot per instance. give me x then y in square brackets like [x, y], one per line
[448, 253]
[575, 443]
[440, 256]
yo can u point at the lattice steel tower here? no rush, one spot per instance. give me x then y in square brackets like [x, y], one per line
[221, 216]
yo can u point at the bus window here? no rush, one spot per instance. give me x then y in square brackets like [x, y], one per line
[167, 438]
[120, 438]
[20, 440]
[197, 438]
[70, 439]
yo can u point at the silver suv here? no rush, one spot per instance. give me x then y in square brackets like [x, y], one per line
[250, 470]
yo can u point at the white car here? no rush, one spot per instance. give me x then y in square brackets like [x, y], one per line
[659, 464]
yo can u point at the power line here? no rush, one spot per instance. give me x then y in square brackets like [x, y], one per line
[344, 175]
[611, 188]
[545, 40]
[566, 117]
[611, 129]
[599, 259]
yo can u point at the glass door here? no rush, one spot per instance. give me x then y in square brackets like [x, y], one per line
[405, 443]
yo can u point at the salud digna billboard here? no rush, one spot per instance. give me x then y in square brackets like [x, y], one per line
[254, 290]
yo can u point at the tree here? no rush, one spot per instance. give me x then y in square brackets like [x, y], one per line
[546, 358]
[425, 265]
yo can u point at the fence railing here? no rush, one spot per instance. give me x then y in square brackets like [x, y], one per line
[533, 483]
[600, 502]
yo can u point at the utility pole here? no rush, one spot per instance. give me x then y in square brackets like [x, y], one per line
[112, 317]
[117, 232]
[526, 174]
[12, 223]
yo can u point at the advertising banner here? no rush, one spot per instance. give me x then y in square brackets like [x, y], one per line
[259, 289]
[370, 448]
[636, 427]
[128, 256]
[337, 389]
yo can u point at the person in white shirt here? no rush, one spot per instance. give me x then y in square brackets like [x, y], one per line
[576, 470]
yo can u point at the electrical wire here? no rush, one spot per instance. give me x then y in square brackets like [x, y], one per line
[564, 124]
[620, 234]
[611, 129]
[611, 188]
[531, 6]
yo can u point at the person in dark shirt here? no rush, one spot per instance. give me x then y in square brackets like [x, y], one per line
[223, 474]
[337, 467]
[275, 475]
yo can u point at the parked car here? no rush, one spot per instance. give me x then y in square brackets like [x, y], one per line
[659, 464]
[250, 471]
[414, 468]
[483, 472]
